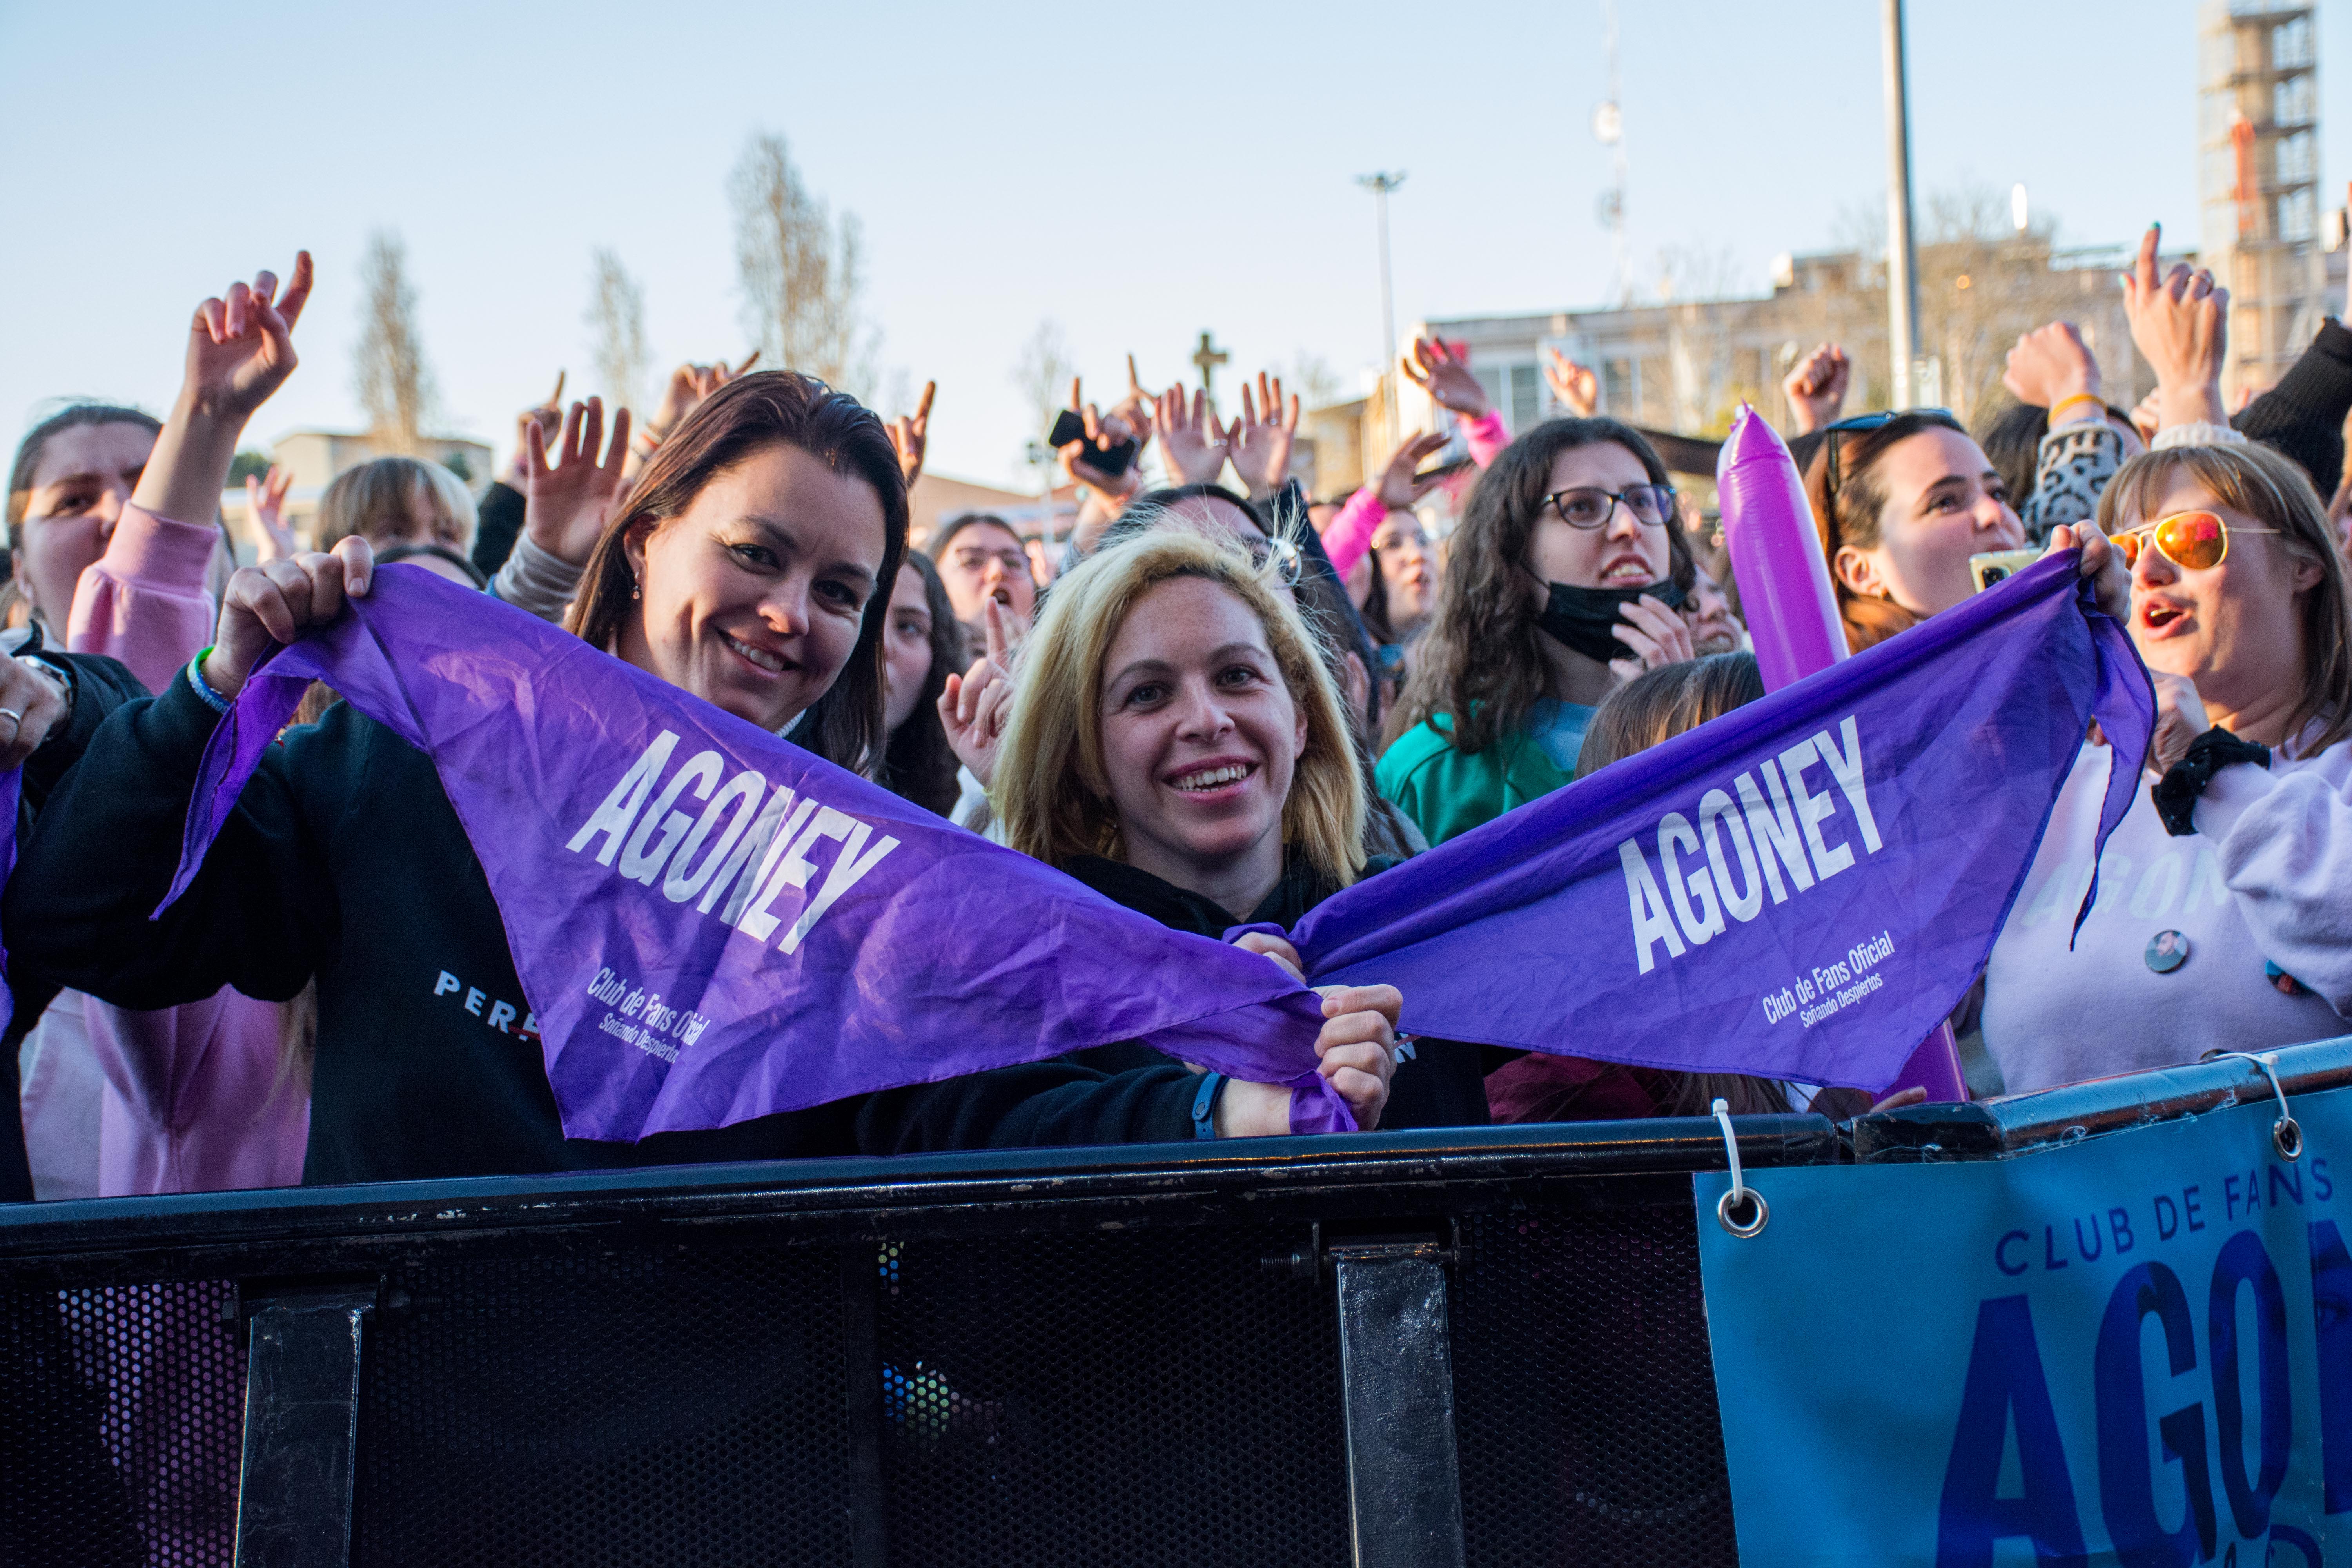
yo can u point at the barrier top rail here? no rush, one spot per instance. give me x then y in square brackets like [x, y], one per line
[207, 1234]
[2004, 1129]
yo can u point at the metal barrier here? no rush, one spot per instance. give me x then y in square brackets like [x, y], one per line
[1280, 1351]
[1486, 1346]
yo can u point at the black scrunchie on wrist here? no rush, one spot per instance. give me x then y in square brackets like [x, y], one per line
[2176, 793]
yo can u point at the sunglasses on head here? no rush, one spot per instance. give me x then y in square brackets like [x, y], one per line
[1859, 425]
[2194, 540]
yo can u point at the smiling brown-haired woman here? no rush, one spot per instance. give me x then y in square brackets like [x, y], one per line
[751, 568]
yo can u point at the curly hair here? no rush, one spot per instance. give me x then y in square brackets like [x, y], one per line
[1479, 661]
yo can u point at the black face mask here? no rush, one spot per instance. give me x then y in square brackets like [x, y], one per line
[1586, 619]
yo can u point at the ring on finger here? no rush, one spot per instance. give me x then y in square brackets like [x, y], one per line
[13, 716]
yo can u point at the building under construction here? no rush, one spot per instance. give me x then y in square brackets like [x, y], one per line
[2258, 148]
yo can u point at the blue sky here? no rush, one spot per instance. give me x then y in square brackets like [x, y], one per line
[1136, 174]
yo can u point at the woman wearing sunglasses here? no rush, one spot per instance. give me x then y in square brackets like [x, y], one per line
[2224, 917]
[1563, 581]
[1902, 501]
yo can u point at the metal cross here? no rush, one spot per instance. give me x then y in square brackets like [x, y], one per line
[1208, 358]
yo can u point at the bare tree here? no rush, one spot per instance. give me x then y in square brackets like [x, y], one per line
[799, 270]
[1043, 374]
[394, 384]
[616, 309]
[1311, 376]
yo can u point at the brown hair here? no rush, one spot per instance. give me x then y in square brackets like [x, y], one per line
[36, 441]
[1656, 706]
[363, 499]
[2252, 479]
[1479, 662]
[1852, 516]
[917, 764]
[749, 414]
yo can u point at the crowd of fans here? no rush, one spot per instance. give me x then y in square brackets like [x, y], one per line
[1213, 704]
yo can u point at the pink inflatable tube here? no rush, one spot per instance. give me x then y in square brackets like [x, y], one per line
[1792, 618]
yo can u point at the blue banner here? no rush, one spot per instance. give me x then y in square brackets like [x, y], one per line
[2136, 1349]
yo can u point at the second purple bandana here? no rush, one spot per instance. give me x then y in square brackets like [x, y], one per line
[1801, 890]
[712, 925]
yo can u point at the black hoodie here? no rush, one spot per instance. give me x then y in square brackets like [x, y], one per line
[1444, 1084]
[344, 862]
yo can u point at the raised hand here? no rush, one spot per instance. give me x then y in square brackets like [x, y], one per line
[1259, 442]
[1103, 433]
[274, 602]
[1575, 387]
[567, 502]
[549, 417]
[975, 705]
[1445, 376]
[2051, 364]
[688, 385]
[2181, 323]
[265, 499]
[910, 432]
[240, 350]
[1816, 387]
[1653, 637]
[1195, 444]
[1401, 490]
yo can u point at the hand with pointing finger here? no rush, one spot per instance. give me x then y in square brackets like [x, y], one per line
[2181, 323]
[910, 433]
[265, 499]
[1573, 385]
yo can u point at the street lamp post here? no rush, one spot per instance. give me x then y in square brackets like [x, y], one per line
[1902, 263]
[1381, 184]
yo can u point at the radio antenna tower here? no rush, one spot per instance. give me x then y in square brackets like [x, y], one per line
[1609, 127]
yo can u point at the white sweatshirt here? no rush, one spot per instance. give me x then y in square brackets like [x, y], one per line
[2267, 877]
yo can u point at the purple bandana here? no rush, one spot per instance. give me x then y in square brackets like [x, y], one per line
[1801, 890]
[711, 923]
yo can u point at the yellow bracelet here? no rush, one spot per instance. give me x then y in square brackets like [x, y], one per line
[2059, 407]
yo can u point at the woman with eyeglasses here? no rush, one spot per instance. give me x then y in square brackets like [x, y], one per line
[2225, 916]
[1562, 582]
[1902, 501]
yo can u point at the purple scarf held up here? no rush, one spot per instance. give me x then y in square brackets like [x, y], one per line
[712, 925]
[1801, 890]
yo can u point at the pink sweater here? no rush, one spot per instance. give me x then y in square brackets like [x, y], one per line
[1351, 533]
[194, 1102]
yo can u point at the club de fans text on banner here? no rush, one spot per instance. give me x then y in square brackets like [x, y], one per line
[1801, 890]
[2135, 1348]
[712, 925]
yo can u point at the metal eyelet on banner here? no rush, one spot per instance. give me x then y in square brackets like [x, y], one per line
[2286, 1133]
[1739, 1187]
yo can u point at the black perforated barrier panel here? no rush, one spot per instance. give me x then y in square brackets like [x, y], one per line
[1127, 1370]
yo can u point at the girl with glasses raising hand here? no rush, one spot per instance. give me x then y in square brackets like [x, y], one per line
[1564, 580]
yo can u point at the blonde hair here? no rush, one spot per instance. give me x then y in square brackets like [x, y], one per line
[2273, 490]
[364, 499]
[1052, 790]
